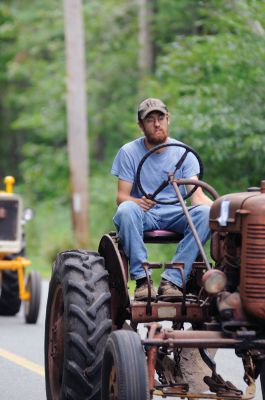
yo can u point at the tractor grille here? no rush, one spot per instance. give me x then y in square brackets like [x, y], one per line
[8, 219]
[254, 272]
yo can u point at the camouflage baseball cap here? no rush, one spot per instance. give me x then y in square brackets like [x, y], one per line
[149, 105]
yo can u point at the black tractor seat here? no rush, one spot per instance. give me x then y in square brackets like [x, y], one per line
[162, 236]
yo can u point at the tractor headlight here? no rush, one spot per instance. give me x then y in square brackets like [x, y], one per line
[214, 281]
[28, 214]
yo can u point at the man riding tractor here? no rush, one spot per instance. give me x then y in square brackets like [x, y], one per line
[137, 213]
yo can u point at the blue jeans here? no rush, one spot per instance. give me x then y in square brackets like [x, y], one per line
[131, 221]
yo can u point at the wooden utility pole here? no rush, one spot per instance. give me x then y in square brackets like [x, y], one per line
[146, 54]
[77, 119]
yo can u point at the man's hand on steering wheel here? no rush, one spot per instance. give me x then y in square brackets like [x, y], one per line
[146, 204]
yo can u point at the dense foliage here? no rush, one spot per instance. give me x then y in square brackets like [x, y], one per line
[209, 69]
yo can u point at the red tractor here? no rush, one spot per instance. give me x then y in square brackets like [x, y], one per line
[93, 349]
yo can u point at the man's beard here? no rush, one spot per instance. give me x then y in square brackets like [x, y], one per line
[156, 139]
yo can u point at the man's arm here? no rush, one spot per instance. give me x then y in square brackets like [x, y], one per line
[198, 196]
[124, 194]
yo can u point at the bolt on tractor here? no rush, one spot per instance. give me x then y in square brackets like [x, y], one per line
[15, 286]
[93, 349]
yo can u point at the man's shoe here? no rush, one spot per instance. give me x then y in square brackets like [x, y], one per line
[141, 291]
[167, 289]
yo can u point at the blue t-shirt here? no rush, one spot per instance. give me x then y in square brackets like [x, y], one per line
[155, 169]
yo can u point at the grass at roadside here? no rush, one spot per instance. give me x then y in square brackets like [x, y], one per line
[50, 232]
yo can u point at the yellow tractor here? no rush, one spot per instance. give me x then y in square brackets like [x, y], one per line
[15, 287]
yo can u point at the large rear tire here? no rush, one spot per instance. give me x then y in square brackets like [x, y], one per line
[9, 299]
[124, 370]
[77, 326]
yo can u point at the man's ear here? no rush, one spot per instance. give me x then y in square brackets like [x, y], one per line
[140, 124]
[168, 118]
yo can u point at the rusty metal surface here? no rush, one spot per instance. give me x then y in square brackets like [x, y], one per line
[162, 311]
[252, 272]
[216, 245]
[225, 343]
[151, 362]
[234, 218]
[200, 339]
[173, 382]
[198, 182]
[55, 345]
[246, 217]
[173, 392]
[117, 278]
[187, 215]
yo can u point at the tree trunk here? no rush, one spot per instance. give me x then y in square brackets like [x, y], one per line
[146, 53]
[76, 119]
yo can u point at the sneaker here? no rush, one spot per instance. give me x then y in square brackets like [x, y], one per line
[141, 291]
[168, 289]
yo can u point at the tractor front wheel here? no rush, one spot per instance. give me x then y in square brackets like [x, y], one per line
[124, 369]
[32, 306]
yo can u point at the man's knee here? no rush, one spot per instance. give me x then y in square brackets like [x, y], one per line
[200, 218]
[205, 212]
[201, 213]
[127, 211]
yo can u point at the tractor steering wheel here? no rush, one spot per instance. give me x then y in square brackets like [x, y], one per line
[165, 183]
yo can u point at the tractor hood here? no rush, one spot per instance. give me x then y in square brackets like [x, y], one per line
[227, 211]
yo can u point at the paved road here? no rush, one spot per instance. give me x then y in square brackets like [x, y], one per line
[22, 359]
[22, 356]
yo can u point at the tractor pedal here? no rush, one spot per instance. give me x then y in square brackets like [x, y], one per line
[174, 389]
[170, 299]
[222, 388]
[174, 265]
[152, 265]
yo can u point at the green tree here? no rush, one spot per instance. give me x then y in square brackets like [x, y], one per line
[209, 68]
[35, 94]
[214, 84]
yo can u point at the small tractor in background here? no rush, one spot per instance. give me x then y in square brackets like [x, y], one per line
[93, 349]
[15, 286]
